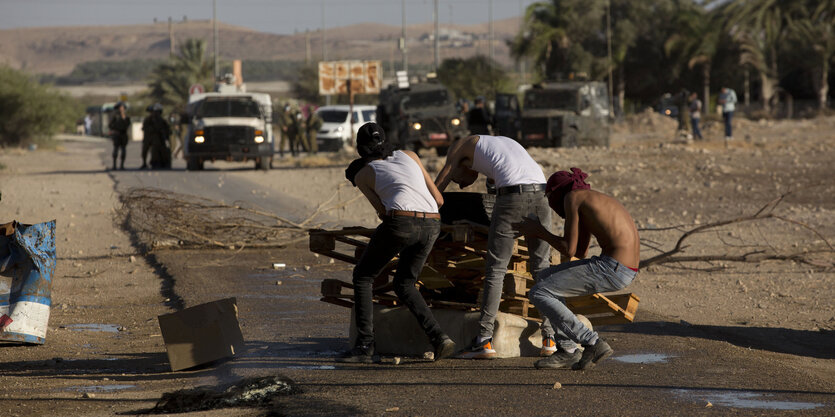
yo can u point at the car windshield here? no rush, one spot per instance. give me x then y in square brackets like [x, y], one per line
[333, 116]
[369, 115]
[229, 107]
[551, 99]
[425, 99]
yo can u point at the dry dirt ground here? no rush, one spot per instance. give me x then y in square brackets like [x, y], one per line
[783, 307]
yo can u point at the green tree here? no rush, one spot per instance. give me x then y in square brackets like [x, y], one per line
[695, 44]
[814, 27]
[474, 76]
[171, 81]
[306, 85]
[29, 109]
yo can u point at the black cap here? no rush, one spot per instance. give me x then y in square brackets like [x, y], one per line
[371, 134]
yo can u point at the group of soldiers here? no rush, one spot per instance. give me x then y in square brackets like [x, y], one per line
[156, 137]
[299, 129]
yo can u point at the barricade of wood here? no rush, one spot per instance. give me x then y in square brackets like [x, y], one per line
[454, 274]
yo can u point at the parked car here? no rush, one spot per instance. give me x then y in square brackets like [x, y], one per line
[667, 106]
[336, 132]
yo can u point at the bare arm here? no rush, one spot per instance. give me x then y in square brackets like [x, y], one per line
[454, 157]
[436, 194]
[566, 245]
[365, 182]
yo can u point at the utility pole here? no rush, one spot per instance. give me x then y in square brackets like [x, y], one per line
[403, 48]
[170, 37]
[522, 75]
[437, 38]
[609, 52]
[490, 29]
[214, 24]
[324, 38]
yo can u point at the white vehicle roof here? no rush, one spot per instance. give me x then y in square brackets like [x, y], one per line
[262, 98]
[345, 107]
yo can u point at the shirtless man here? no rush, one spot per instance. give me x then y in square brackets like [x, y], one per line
[405, 198]
[587, 213]
[520, 189]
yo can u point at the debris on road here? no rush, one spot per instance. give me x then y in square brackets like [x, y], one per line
[202, 334]
[27, 259]
[250, 392]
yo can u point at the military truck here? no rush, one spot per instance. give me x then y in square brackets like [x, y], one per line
[420, 116]
[231, 126]
[560, 114]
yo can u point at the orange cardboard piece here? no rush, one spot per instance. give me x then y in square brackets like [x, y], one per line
[201, 334]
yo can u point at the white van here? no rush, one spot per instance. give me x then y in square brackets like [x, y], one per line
[335, 131]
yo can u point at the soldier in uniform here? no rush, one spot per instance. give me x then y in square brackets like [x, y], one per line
[119, 125]
[312, 125]
[289, 130]
[157, 133]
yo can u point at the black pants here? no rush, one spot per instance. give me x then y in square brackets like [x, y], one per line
[412, 238]
[119, 148]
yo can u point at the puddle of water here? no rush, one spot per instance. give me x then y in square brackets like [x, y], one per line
[100, 388]
[646, 358]
[311, 367]
[746, 399]
[94, 327]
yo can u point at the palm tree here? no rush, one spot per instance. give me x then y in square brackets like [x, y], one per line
[170, 81]
[553, 34]
[696, 43]
[760, 28]
[815, 27]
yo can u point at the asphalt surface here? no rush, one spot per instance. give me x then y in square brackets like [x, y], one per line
[660, 366]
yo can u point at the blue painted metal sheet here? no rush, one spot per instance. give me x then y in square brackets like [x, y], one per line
[27, 264]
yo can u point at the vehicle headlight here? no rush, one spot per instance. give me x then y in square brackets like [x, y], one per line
[416, 126]
[199, 139]
[456, 121]
[667, 112]
[259, 136]
[339, 129]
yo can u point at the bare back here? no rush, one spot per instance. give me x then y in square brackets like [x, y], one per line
[608, 221]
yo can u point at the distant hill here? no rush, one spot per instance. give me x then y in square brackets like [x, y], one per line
[56, 50]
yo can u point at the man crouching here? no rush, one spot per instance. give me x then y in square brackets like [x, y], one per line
[586, 213]
[406, 199]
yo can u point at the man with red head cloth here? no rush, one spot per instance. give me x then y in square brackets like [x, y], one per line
[587, 213]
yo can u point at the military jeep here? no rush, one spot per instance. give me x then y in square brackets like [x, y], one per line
[421, 116]
[564, 114]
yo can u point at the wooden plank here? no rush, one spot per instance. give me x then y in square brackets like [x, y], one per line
[333, 287]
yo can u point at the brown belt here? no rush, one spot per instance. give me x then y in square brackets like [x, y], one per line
[413, 214]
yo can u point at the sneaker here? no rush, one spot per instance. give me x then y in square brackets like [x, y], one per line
[559, 360]
[444, 348]
[359, 354]
[593, 354]
[549, 346]
[483, 350]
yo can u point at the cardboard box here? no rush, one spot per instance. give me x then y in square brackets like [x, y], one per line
[202, 334]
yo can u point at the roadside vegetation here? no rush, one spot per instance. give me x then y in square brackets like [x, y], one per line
[31, 112]
[769, 50]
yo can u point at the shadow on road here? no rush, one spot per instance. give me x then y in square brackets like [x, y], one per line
[816, 344]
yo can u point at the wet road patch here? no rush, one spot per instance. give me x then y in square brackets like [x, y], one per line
[94, 327]
[745, 399]
[644, 358]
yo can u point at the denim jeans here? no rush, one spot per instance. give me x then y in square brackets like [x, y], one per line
[412, 238]
[728, 117]
[571, 279]
[697, 133]
[509, 209]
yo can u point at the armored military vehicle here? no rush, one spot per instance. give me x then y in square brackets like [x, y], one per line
[420, 116]
[562, 114]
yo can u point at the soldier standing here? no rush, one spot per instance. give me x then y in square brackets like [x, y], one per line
[312, 126]
[289, 129]
[119, 126]
[157, 133]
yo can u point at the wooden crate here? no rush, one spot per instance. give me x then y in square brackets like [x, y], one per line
[605, 309]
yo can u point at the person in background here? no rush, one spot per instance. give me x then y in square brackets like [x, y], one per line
[119, 125]
[405, 198]
[312, 125]
[727, 99]
[156, 134]
[479, 119]
[695, 115]
[88, 124]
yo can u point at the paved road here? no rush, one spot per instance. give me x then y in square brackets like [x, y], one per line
[660, 367]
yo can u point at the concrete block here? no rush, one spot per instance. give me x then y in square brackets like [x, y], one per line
[396, 332]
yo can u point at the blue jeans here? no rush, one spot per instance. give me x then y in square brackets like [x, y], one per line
[571, 279]
[697, 133]
[412, 238]
[728, 116]
[509, 209]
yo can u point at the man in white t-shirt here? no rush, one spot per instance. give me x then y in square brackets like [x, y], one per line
[520, 192]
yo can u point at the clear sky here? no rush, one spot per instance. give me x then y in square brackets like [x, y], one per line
[275, 16]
